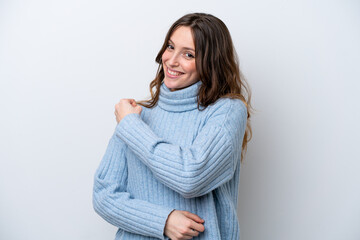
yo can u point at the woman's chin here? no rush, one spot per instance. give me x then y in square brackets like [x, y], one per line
[170, 85]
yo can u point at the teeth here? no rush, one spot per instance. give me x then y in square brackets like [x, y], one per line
[174, 73]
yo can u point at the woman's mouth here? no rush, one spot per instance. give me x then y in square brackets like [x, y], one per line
[173, 74]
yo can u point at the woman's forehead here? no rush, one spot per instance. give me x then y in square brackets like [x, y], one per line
[183, 37]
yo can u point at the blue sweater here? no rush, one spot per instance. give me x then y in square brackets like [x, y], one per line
[173, 156]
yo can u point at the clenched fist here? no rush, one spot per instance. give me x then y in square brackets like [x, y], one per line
[125, 107]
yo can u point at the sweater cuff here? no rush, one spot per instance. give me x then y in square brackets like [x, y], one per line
[165, 212]
[139, 216]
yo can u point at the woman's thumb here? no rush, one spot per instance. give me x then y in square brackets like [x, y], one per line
[133, 103]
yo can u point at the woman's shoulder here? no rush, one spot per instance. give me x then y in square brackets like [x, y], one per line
[228, 105]
[227, 111]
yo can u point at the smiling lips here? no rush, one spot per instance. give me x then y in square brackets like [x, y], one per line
[172, 73]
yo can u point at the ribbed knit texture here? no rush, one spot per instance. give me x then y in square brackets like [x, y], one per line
[173, 156]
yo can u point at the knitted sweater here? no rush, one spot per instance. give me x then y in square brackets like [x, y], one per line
[173, 156]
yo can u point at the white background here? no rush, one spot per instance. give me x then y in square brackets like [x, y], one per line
[65, 64]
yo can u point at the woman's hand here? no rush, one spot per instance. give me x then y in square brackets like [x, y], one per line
[183, 225]
[125, 107]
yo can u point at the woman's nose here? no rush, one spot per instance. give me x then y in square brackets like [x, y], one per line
[173, 60]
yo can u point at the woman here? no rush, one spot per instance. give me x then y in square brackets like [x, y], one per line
[171, 169]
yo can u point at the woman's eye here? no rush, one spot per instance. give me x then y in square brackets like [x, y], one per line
[189, 55]
[170, 46]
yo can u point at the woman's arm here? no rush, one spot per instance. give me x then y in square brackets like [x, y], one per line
[115, 205]
[198, 169]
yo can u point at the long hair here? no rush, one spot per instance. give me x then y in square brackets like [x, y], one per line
[216, 62]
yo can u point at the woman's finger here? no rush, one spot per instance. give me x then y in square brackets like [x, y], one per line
[198, 227]
[188, 237]
[132, 102]
[193, 216]
[192, 233]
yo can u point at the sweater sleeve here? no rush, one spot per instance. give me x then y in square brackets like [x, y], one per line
[195, 170]
[115, 205]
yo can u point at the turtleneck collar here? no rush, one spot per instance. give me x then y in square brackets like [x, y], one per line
[180, 100]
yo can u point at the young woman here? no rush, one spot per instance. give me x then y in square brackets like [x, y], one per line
[171, 168]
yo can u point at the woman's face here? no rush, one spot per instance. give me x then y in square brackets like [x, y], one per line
[178, 60]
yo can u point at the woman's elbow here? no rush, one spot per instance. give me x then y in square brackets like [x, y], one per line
[189, 190]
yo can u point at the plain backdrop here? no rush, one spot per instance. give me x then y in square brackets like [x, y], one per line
[65, 64]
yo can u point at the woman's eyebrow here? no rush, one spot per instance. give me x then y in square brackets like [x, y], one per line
[183, 47]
